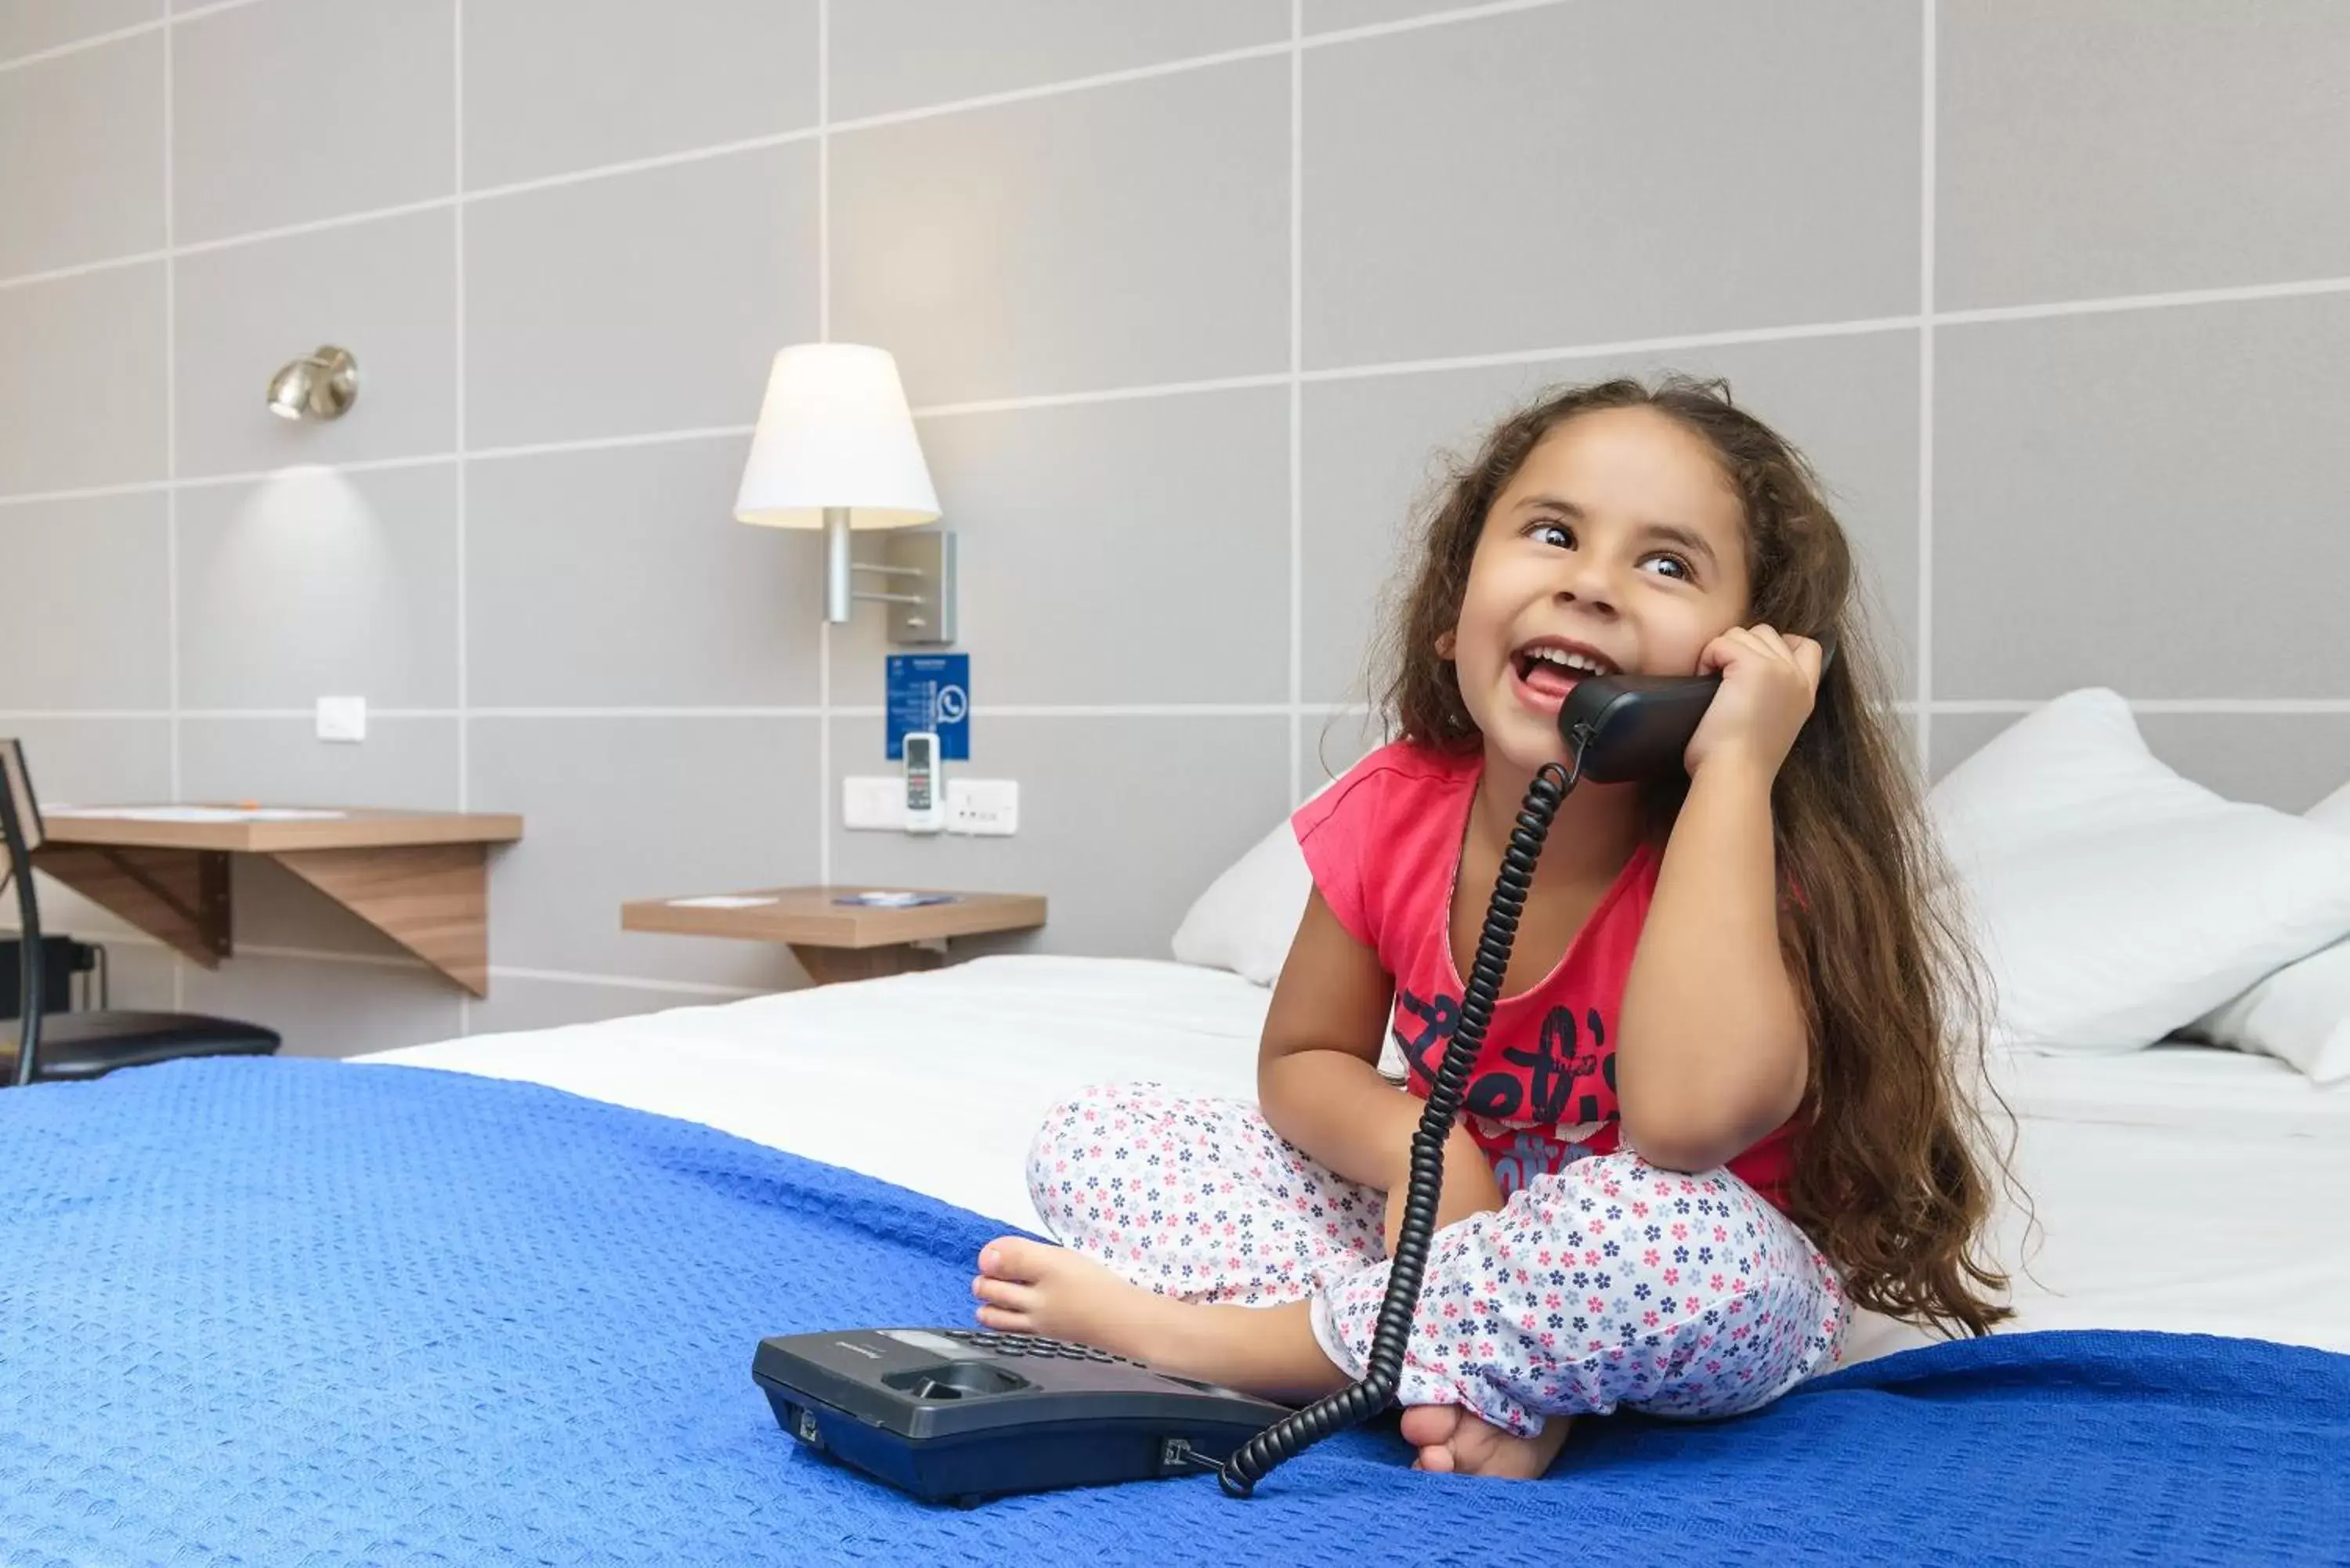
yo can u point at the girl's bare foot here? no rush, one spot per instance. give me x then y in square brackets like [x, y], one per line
[1452, 1440]
[1027, 1287]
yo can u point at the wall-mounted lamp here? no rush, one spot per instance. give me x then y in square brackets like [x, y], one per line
[320, 386]
[836, 450]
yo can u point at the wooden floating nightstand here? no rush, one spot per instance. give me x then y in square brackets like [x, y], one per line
[835, 941]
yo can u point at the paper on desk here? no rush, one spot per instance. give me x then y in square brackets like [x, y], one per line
[197, 814]
[719, 902]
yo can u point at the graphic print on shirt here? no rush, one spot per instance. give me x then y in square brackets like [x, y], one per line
[1533, 1107]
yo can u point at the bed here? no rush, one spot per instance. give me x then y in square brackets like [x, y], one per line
[495, 1299]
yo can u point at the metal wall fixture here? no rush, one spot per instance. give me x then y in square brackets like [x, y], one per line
[319, 386]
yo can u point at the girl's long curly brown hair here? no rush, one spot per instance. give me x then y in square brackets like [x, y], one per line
[1893, 1177]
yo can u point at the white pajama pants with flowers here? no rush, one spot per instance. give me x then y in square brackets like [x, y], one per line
[1607, 1284]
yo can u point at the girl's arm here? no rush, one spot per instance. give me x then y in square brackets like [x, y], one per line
[1713, 1053]
[1317, 1071]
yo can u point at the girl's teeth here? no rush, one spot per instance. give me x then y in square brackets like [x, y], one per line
[1581, 664]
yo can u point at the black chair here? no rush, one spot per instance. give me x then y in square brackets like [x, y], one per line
[81, 1045]
[62, 961]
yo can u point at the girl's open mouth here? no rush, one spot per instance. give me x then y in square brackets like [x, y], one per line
[1545, 671]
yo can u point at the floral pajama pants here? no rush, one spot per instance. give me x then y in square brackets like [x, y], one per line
[1610, 1283]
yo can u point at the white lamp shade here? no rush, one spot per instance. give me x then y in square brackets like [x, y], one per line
[835, 432]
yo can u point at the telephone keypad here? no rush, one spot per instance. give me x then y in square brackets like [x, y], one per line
[1031, 1344]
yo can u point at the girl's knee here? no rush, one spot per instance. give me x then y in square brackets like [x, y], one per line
[1076, 1140]
[1086, 1117]
[1618, 1204]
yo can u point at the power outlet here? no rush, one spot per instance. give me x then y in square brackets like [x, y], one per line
[984, 809]
[342, 718]
[875, 804]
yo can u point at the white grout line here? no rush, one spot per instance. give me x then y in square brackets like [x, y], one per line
[626, 982]
[87, 492]
[2240, 294]
[639, 165]
[1929, 116]
[80, 716]
[127, 938]
[1131, 710]
[81, 45]
[1296, 398]
[783, 712]
[824, 169]
[457, 296]
[457, 260]
[313, 227]
[355, 465]
[1800, 331]
[171, 406]
[459, 200]
[306, 716]
[1104, 394]
[171, 426]
[2268, 707]
[1433, 19]
[198, 13]
[612, 444]
[83, 269]
[1063, 89]
[824, 335]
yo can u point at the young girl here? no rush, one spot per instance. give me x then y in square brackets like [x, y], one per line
[1717, 1103]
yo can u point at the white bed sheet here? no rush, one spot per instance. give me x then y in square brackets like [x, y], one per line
[2189, 1190]
[935, 1080]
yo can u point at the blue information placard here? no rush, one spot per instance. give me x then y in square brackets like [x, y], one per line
[929, 691]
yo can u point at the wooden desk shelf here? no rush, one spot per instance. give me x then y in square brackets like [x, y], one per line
[420, 877]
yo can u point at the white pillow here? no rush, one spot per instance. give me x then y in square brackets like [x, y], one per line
[1245, 920]
[2115, 902]
[2299, 1014]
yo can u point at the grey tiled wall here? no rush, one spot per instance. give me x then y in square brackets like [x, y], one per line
[1187, 295]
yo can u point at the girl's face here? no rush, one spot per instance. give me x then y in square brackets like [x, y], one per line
[1618, 546]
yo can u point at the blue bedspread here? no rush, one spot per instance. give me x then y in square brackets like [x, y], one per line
[289, 1311]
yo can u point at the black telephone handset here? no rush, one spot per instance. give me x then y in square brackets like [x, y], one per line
[963, 1414]
[1619, 728]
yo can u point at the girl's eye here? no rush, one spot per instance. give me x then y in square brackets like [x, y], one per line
[1554, 534]
[1681, 567]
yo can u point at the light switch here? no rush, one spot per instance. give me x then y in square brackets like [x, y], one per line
[342, 718]
[877, 804]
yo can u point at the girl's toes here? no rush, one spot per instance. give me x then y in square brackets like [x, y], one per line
[1007, 1294]
[1012, 1258]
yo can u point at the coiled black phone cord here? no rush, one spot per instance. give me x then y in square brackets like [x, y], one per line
[1301, 1429]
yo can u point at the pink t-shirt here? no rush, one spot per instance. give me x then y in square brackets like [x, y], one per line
[1384, 847]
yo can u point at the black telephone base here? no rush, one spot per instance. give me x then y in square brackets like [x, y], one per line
[961, 1415]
